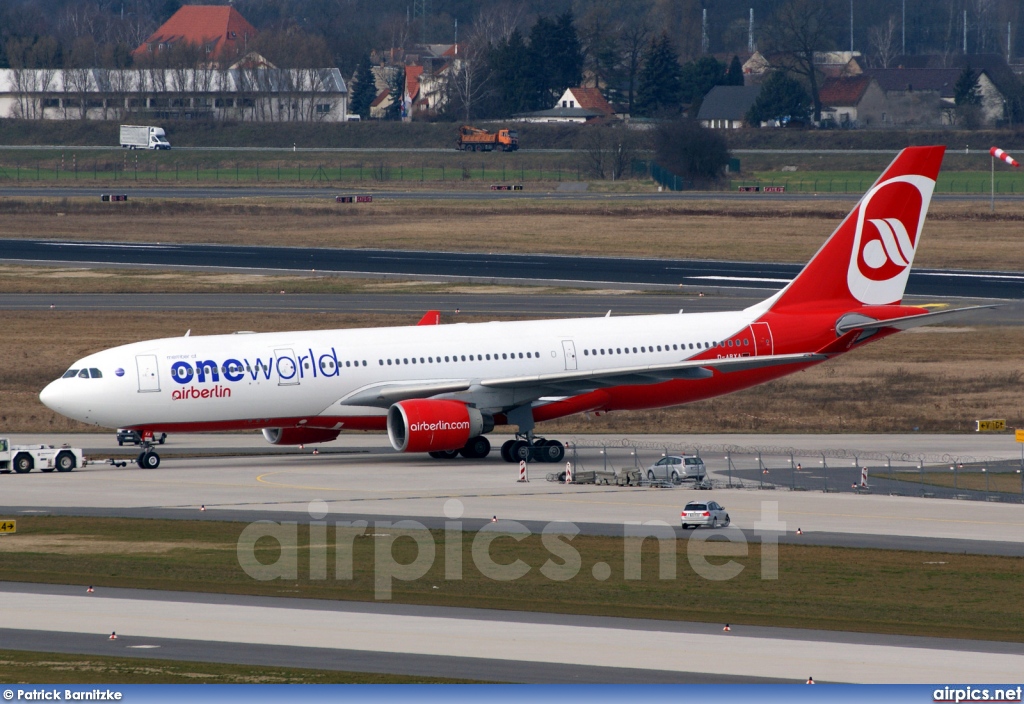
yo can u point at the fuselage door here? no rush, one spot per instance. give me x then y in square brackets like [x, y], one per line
[149, 376]
[570, 354]
[763, 343]
[287, 367]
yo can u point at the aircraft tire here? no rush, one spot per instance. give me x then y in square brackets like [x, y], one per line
[553, 451]
[476, 448]
[506, 450]
[149, 460]
[520, 451]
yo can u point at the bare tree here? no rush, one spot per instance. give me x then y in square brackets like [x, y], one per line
[799, 29]
[495, 25]
[467, 75]
[635, 37]
[883, 42]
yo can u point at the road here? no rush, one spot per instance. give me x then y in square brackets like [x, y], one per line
[484, 267]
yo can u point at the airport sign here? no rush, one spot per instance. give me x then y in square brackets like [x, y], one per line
[8, 526]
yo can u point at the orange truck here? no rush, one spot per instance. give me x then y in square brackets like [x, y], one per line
[473, 139]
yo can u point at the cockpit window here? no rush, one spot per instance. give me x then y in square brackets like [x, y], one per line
[70, 373]
[84, 374]
[95, 373]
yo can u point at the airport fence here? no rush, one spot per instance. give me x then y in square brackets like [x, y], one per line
[771, 468]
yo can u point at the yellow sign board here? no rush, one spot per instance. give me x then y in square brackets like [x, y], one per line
[990, 426]
[1020, 434]
[8, 526]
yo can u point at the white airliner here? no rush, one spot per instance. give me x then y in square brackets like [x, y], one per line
[441, 388]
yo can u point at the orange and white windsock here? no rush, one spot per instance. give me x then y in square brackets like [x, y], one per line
[1000, 154]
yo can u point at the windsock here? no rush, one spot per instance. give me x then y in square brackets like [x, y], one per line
[1000, 154]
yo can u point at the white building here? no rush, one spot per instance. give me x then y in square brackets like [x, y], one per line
[258, 93]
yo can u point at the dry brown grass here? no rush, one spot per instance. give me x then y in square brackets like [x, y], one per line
[935, 382]
[958, 234]
[56, 280]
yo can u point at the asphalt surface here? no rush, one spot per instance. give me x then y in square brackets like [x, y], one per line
[466, 642]
[468, 304]
[486, 267]
[186, 191]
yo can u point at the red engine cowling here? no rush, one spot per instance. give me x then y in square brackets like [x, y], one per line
[424, 425]
[299, 436]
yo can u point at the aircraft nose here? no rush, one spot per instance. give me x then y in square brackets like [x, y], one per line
[50, 396]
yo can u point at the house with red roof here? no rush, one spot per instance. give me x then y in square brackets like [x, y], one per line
[853, 101]
[220, 30]
[586, 98]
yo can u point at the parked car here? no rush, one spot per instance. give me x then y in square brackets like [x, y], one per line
[677, 468]
[133, 437]
[704, 513]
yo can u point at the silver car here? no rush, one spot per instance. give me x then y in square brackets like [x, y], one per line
[704, 513]
[677, 468]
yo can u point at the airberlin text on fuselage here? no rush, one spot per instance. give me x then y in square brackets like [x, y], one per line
[234, 370]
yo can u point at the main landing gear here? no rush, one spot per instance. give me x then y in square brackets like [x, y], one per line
[474, 449]
[540, 450]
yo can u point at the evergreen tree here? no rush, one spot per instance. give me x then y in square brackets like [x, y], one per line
[780, 96]
[555, 60]
[734, 76]
[965, 91]
[396, 89]
[365, 89]
[510, 75]
[659, 89]
[698, 78]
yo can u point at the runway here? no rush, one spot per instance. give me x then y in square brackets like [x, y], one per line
[363, 480]
[503, 304]
[484, 267]
[465, 642]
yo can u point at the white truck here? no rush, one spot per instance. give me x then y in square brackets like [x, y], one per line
[143, 137]
[46, 458]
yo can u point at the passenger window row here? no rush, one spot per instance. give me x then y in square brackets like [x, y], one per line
[459, 358]
[664, 348]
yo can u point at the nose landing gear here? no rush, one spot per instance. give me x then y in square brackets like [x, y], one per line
[148, 459]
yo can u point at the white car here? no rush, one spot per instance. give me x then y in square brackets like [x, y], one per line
[704, 513]
[677, 468]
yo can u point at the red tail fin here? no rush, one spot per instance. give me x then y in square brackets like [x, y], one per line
[867, 259]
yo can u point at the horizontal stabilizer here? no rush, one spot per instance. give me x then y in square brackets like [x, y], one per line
[905, 323]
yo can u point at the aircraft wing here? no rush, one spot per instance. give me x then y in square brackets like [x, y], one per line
[858, 322]
[384, 395]
[579, 381]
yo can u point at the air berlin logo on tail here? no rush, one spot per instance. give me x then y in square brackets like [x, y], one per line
[889, 224]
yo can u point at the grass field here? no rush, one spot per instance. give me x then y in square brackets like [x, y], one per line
[959, 235]
[19, 667]
[1007, 481]
[937, 380]
[818, 587]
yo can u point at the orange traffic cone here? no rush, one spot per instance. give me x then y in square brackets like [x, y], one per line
[113, 635]
[727, 628]
[810, 680]
[89, 590]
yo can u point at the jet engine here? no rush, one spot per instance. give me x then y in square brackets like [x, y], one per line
[299, 436]
[425, 425]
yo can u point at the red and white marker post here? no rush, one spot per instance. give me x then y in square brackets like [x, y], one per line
[568, 472]
[998, 153]
[523, 476]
